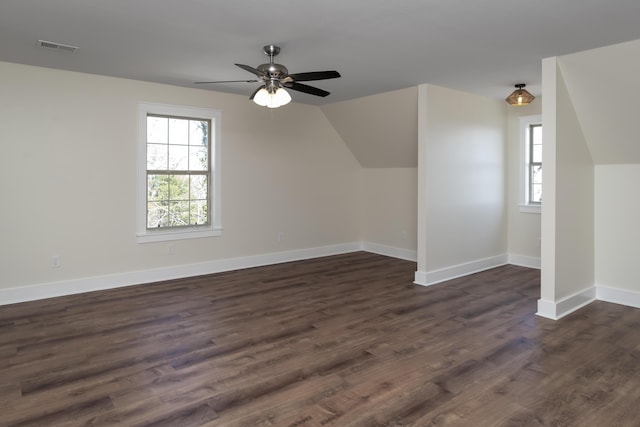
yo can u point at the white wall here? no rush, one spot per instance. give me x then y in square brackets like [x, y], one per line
[568, 208]
[599, 82]
[389, 210]
[574, 202]
[69, 169]
[617, 227]
[523, 228]
[462, 212]
[382, 132]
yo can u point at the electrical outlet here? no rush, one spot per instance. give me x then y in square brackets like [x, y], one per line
[280, 236]
[170, 249]
[56, 261]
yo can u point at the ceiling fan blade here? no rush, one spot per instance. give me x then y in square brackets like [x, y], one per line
[255, 92]
[228, 81]
[314, 75]
[306, 89]
[251, 70]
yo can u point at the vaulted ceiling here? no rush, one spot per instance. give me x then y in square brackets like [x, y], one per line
[380, 130]
[602, 84]
[481, 47]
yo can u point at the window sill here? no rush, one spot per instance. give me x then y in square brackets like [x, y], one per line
[167, 235]
[534, 209]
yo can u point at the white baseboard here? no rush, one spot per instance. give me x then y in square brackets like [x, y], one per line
[548, 309]
[525, 261]
[428, 278]
[98, 283]
[618, 296]
[390, 251]
[420, 278]
[565, 306]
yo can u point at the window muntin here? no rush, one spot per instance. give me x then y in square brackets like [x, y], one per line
[178, 165]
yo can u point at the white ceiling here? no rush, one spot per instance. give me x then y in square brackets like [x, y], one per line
[477, 46]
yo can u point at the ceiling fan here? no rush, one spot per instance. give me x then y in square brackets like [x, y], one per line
[275, 78]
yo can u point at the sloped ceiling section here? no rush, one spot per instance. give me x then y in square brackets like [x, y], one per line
[380, 130]
[603, 84]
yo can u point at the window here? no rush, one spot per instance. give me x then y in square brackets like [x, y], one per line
[179, 179]
[531, 164]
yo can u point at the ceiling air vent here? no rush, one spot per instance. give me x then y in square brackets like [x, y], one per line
[57, 46]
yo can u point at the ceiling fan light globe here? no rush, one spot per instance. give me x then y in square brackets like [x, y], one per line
[262, 97]
[281, 97]
[272, 100]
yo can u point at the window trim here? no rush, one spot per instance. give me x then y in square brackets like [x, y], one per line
[214, 228]
[524, 170]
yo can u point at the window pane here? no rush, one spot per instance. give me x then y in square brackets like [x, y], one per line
[179, 187]
[198, 159]
[157, 130]
[536, 155]
[157, 214]
[536, 134]
[157, 156]
[178, 213]
[178, 157]
[178, 131]
[536, 193]
[157, 187]
[199, 213]
[536, 184]
[199, 188]
[199, 131]
[536, 174]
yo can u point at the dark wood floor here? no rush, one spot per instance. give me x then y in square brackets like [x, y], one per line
[338, 341]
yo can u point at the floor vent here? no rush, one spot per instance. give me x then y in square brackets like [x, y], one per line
[57, 46]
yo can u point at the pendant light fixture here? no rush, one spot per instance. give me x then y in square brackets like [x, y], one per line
[520, 96]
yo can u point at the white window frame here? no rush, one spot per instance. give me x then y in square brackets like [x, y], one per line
[214, 228]
[524, 205]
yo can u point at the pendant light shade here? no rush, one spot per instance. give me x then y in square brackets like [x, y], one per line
[520, 96]
[273, 97]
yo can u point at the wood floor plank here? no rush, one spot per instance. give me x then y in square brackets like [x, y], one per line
[346, 340]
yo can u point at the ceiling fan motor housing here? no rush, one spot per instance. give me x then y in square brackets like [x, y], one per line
[273, 71]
